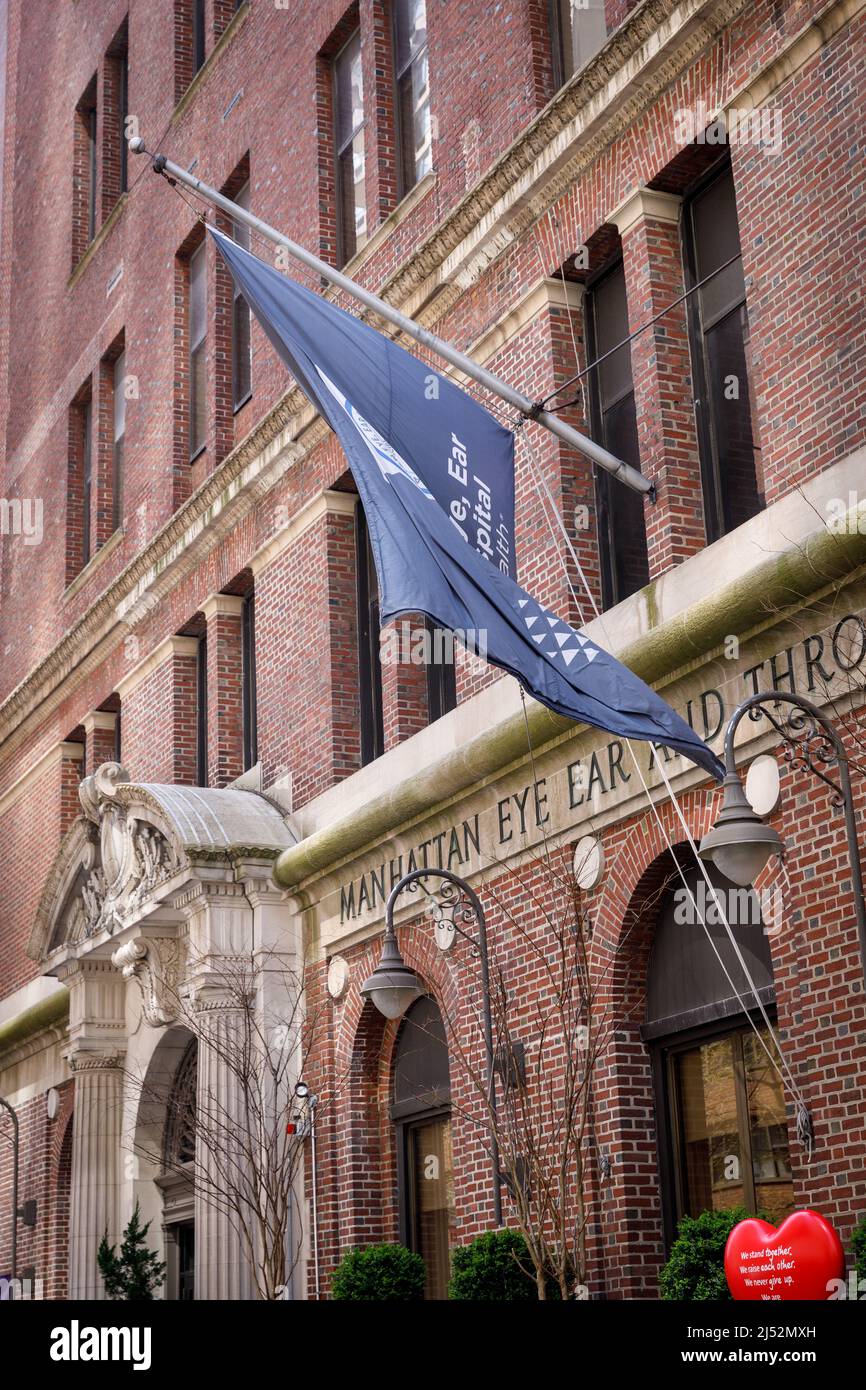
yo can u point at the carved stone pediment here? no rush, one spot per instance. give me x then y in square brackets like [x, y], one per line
[133, 858]
[111, 863]
[140, 850]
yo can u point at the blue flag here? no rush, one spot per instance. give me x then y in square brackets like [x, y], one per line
[423, 562]
[464, 455]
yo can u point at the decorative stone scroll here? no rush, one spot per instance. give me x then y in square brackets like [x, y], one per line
[133, 857]
[158, 966]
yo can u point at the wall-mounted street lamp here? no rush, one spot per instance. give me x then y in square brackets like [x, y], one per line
[394, 985]
[740, 843]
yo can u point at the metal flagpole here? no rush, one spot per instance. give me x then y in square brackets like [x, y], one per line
[531, 409]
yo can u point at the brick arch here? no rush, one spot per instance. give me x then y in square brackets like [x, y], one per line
[638, 847]
[365, 1175]
[625, 914]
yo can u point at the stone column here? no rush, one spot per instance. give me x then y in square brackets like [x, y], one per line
[96, 1168]
[96, 1053]
[222, 1262]
[220, 935]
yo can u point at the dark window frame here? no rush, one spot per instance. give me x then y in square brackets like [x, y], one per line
[201, 713]
[118, 444]
[344, 254]
[369, 663]
[698, 332]
[441, 679]
[93, 167]
[198, 28]
[670, 1133]
[123, 112]
[557, 45]
[248, 670]
[404, 184]
[604, 485]
[196, 445]
[86, 477]
[242, 383]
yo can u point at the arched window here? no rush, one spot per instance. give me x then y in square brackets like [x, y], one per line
[721, 1106]
[421, 1112]
[180, 1118]
[177, 1182]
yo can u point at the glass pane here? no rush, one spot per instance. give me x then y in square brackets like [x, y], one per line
[611, 327]
[240, 350]
[197, 297]
[433, 1192]
[353, 197]
[186, 1262]
[349, 91]
[421, 116]
[240, 231]
[774, 1191]
[728, 385]
[583, 31]
[712, 1159]
[717, 238]
[117, 483]
[625, 509]
[411, 30]
[197, 399]
[119, 396]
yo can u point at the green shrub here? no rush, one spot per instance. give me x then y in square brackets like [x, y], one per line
[858, 1246]
[380, 1273]
[488, 1269]
[696, 1270]
[136, 1273]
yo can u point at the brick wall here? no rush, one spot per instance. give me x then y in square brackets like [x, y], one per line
[266, 99]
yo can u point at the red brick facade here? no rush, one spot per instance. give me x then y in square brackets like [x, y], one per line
[104, 627]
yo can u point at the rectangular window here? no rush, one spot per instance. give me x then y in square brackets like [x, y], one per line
[719, 333]
[91, 172]
[369, 665]
[241, 346]
[114, 96]
[621, 522]
[79, 482]
[86, 477]
[441, 673]
[122, 113]
[198, 35]
[248, 656]
[413, 91]
[84, 172]
[578, 31]
[729, 1128]
[201, 713]
[197, 356]
[348, 87]
[119, 403]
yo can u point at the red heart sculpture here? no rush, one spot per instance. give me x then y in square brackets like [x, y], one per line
[797, 1260]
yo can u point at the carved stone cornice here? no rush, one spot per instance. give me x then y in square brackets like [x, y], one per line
[88, 1062]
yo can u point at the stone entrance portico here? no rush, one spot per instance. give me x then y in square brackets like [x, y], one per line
[148, 880]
